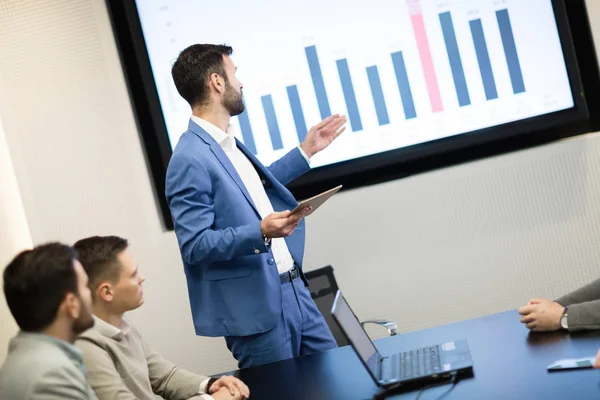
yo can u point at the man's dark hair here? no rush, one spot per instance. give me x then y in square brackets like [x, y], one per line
[193, 68]
[98, 255]
[37, 281]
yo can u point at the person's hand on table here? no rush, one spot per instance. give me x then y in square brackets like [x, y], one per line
[229, 388]
[225, 394]
[541, 315]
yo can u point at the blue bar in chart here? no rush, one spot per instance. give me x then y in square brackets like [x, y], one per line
[458, 72]
[377, 92]
[404, 85]
[349, 95]
[317, 79]
[246, 129]
[267, 102]
[297, 113]
[510, 50]
[483, 58]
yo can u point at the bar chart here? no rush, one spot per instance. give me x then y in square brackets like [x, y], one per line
[403, 80]
[420, 71]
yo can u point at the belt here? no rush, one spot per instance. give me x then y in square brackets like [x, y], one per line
[290, 275]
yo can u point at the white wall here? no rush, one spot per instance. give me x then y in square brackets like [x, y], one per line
[14, 233]
[443, 246]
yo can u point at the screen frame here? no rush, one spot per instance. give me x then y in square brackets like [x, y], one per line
[582, 68]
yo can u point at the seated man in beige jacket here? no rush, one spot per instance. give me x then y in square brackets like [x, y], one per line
[120, 364]
[576, 311]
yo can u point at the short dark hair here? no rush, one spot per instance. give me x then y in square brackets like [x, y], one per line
[37, 281]
[98, 255]
[193, 68]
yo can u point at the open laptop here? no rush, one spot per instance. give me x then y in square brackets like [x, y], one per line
[420, 366]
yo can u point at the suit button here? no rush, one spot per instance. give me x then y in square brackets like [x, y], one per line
[271, 261]
[256, 251]
[264, 182]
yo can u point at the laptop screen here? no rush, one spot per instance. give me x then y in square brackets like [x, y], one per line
[356, 334]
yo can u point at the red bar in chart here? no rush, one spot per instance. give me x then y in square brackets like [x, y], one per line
[416, 16]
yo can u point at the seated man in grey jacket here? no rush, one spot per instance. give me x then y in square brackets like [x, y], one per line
[47, 294]
[120, 364]
[576, 311]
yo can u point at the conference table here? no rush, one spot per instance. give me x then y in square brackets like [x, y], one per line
[509, 362]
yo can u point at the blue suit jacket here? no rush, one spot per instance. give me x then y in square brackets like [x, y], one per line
[233, 283]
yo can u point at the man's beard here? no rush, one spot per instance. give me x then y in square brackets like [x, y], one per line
[84, 322]
[233, 101]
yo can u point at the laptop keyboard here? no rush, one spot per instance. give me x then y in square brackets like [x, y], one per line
[416, 363]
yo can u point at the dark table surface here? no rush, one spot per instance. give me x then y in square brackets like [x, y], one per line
[508, 363]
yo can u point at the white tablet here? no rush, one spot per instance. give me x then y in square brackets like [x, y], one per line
[316, 201]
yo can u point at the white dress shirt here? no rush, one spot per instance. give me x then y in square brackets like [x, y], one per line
[253, 184]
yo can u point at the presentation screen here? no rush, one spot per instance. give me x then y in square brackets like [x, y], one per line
[424, 83]
[404, 72]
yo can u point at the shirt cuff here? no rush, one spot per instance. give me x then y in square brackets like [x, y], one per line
[203, 386]
[207, 397]
[304, 155]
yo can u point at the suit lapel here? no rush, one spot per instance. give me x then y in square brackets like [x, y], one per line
[283, 191]
[224, 160]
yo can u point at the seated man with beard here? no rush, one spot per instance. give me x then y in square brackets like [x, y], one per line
[47, 294]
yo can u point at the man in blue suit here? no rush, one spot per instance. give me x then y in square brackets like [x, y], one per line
[241, 246]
